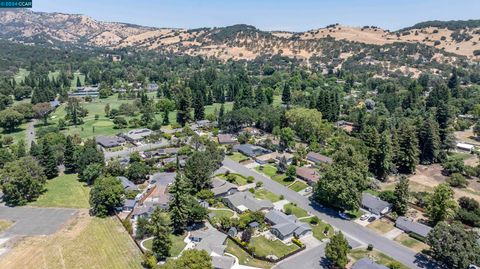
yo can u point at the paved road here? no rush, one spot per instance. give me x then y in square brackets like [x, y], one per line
[349, 228]
[30, 132]
[127, 152]
[35, 220]
[307, 259]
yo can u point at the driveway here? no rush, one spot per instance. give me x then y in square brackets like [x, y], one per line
[30, 221]
[349, 228]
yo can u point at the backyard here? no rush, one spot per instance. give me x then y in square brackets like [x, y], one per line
[319, 229]
[220, 213]
[177, 244]
[64, 191]
[244, 258]
[265, 247]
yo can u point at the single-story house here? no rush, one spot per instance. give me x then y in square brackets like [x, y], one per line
[251, 150]
[143, 211]
[129, 204]
[209, 239]
[308, 174]
[410, 226]
[318, 158]
[252, 131]
[91, 91]
[274, 157]
[162, 179]
[137, 135]
[159, 197]
[201, 124]
[465, 147]
[226, 139]
[127, 184]
[222, 262]
[285, 226]
[232, 231]
[366, 263]
[243, 201]
[152, 87]
[221, 188]
[109, 142]
[160, 152]
[375, 205]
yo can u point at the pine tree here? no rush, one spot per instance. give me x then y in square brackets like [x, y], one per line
[221, 115]
[198, 107]
[402, 195]
[160, 229]
[384, 164]
[260, 97]
[429, 141]
[286, 94]
[48, 161]
[337, 250]
[184, 103]
[178, 208]
[69, 156]
[407, 158]
[21, 150]
[35, 150]
[78, 82]
[372, 141]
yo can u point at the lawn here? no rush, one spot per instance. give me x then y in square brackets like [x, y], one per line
[381, 226]
[17, 134]
[282, 179]
[238, 157]
[5, 224]
[64, 191]
[20, 76]
[220, 214]
[319, 228]
[240, 180]
[297, 211]
[268, 170]
[379, 257]
[265, 247]
[354, 214]
[86, 242]
[177, 244]
[244, 258]
[411, 243]
[263, 194]
[298, 186]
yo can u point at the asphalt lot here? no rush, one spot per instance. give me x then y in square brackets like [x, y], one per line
[30, 221]
[352, 230]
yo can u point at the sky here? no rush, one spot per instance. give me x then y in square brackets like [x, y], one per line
[287, 15]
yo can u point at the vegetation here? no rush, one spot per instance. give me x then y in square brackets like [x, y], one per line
[106, 195]
[64, 191]
[190, 259]
[337, 250]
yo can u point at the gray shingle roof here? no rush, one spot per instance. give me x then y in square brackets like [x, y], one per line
[222, 262]
[251, 150]
[221, 186]
[247, 200]
[109, 142]
[374, 204]
[318, 158]
[409, 225]
[366, 263]
[286, 224]
[127, 184]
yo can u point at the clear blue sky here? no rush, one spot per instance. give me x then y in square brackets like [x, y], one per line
[293, 15]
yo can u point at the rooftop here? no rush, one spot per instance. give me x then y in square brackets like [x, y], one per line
[366, 263]
[373, 203]
[308, 173]
[245, 200]
[318, 158]
[408, 225]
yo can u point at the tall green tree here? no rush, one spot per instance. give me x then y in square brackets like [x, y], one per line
[384, 159]
[407, 153]
[106, 194]
[160, 229]
[402, 196]
[441, 205]
[178, 208]
[190, 259]
[337, 250]
[48, 160]
[286, 94]
[184, 105]
[429, 141]
[69, 156]
[198, 107]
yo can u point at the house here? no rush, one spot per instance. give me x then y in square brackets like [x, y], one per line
[109, 142]
[209, 239]
[222, 188]
[159, 197]
[251, 150]
[144, 211]
[152, 87]
[317, 158]
[137, 135]
[375, 205]
[410, 226]
[274, 157]
[54, 104]
[160, 152]
[222, 262]
[254, 225]
[129, 204]
[465, 147]
[127, 184]
[226, 139]
[308, 174]
[85, 91]
[285, 226]
[252, 131]
[366, 263]
[201, 124]
[243, 201]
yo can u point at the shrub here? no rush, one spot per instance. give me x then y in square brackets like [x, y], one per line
[259, 184]
[457, 180]
[288, 211]
[297, 242]
[252, 190]
[370, 247]
[395, 265]
[314, 220]
[281, 197]
[250, 179]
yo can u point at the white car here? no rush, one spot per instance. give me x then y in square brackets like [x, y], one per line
[364, 217]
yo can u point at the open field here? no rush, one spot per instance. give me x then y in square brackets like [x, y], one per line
[85, 242]
[265, 247]
[379, 257]
[381, 226]
[18, 134]
[244, 258]
[177, 244]
[64, 191]
[266, 194]
[21, 74]
[411, 243]
[5, 224]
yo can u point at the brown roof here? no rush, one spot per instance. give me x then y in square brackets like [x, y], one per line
[225, 139]
[307, 173]
[318, 158]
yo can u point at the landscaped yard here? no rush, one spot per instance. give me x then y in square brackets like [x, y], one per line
[295, 210]
[263, 194]
[381, 226]
[86, 242]
[298, 186]
[220, 214]
[265, 247]
[177, 244]
[244, 258]
[319, 228]
[238, 157]
[411, 243]
[64, 191]
[240, 180]
[268, 170]
[4, 224]
[379, 257]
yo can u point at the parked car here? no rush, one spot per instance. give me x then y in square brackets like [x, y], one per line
[372, 219]
[343, 215]
[364, 217]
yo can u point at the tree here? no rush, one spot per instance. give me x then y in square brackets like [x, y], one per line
[78, 82]
[75, 111]
[407, 157]
[137, 172]
[286, 94]
[10, 119]
[48, 160]
[287, 136]
[199, 168]
[190, 259]
[429, 141]
[198, 107]
[291, 172]
[402, 195]
[106, 194]
[69, 156]
[247, 235]
[22, 181]
[20, 150]
[166, 106]
[178, 208]
[91, 173]
[441, 205]
[160, 229]
[383, 158]
[337, 250]
[184, 104]
[454, 246]
[88, 154]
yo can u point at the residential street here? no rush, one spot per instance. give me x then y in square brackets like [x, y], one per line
[349, 228]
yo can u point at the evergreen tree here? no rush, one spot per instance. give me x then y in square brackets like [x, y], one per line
[384, 162]
[184, 103]
[402, 195]
[35, 150]
[21, 150]
[178, 208]
[198, 107]
[69, 156]
[337, 250]
[407, 155]
[286, 94]
[48, 161]
[260, 97]
[429, 141]
[160, 229]
[78, 82]
[221, 115]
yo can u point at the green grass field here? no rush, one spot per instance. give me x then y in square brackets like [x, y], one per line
[240, 180]
[64, 191]
[238, 157]
[297, 211]
[244, 258]
[220, 214]
[19, 133]
[268, 170]
[265, 247]
[21, 74]
[298, 186]
[177, 244]
[263, 194]
[319, 228]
